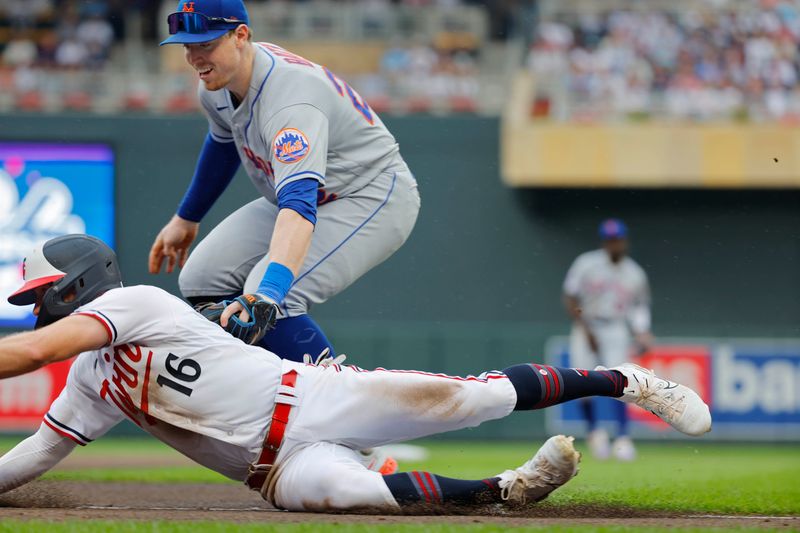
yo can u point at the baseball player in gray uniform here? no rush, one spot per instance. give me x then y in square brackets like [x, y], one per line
[337, 197]
[287, 429]
[607, 295]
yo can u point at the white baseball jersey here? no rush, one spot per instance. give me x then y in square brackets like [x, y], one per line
[608, 291]
[205, 393]
[172, 373]
[300, 121]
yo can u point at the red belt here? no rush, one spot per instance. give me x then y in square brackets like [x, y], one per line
[274, 438]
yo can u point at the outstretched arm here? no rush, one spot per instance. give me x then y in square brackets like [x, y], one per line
[291, 239]
[573, 307]
[26, 352]
[33, 457]
[216, 166]
[639, 318]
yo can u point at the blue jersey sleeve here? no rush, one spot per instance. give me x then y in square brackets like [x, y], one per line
[216, 166]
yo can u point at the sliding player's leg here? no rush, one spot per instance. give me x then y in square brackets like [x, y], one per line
[324, 477]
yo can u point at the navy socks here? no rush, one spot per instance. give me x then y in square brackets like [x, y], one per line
[540, 386]
[423, 487]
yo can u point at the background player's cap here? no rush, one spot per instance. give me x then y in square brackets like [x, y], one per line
[612, 228]
[36, 272]
[200, 21]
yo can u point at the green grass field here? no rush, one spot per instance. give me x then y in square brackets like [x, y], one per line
[684, 477]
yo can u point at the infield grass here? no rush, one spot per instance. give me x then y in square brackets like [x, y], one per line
[681, 476]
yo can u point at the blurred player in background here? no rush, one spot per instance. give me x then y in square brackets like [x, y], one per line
[338, 199]
[607, 295]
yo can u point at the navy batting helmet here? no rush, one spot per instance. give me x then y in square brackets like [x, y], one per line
[78, 264]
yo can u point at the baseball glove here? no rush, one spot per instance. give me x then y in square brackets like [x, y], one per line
[212, 310]
[263, 315]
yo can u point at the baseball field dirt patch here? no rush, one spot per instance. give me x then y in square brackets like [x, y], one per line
[71, 500]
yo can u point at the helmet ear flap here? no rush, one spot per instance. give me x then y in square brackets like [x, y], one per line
[53, 305]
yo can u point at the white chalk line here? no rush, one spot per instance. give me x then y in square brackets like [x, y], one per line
[136, 508]
[736, 516]
[267, 510]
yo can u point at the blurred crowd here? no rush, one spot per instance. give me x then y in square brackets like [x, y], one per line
[65, 34]
[718, 59]
[424, 75]
[77, 39]
[700, 64]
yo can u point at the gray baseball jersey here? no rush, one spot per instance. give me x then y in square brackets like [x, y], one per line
[609, 291]
[300, 121]
[615, 298]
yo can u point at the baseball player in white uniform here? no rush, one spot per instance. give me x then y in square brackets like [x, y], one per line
[337, 197]
[607, 295]
[289, 430]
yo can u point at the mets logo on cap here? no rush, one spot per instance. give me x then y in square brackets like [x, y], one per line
[290, 145]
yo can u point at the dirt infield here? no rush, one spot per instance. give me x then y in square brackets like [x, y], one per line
[63, 500]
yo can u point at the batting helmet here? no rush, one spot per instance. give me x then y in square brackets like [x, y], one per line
[78, 264]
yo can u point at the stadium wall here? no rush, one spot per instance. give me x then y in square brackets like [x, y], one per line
[478, 284]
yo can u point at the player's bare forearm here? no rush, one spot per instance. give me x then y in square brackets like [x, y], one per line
[18, 355]
[291, 239]
[172, 243]
[573, 308]
[26, 352]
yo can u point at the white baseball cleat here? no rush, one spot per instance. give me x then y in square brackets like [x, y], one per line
[554, 464]
[599, 444]
[623, 448]
[677, 405]
[378, 460]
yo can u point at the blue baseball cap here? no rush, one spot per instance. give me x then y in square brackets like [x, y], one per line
[201, 21]
[612, 228]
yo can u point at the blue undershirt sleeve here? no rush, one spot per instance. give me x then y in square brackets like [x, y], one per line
[216, 166]
[300, 196]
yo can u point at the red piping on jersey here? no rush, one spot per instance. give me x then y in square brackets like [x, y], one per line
[498, 375]
[108, 329]
[62, 432]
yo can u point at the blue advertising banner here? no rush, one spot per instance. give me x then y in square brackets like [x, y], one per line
[47, 190]
[751, 385]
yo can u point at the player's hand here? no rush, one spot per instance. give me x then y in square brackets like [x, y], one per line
[592, 340]
[644, 341]
[212, 311]
[249, 317]
[172, 242]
